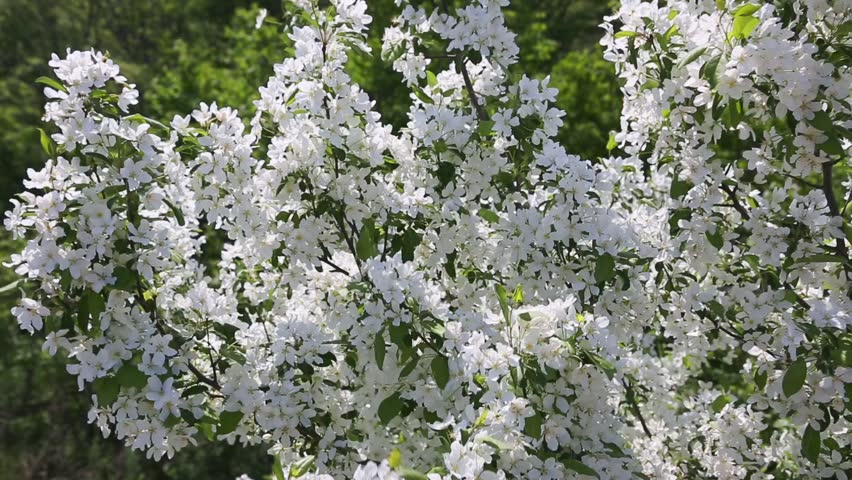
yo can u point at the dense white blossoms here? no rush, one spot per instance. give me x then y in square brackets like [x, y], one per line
[462, 299]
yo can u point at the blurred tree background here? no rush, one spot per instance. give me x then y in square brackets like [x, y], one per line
[180, 53]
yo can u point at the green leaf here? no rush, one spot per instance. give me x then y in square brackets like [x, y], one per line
[480, 421]
[625, 34]
[760, 378]
[409, 367]
[410, 241]
[277, 469]
[96, 305]
[390, 408]
[445, 173]
[130, 376]
[679, 188]
[302, 467]
[532, 425]
[489, 215]
[47, 143]
[441, 371]
[395, 458]
[832, 146]
[650, 85]
[172, 421]
[831, 443]
[743, 26]
[423, 96]
[485, 128]
[746, 10]
[794, 377]
[811, 444]
[393, 54]
[611, 144]
[821, 258]
[125, 279]
[713, 69]
[228, 422]
[431, 79]
[822, 120]
[107, 389]
[843, 355]
[603, 364]
[604, 268]
[176, 211]
[691, 57]
[518, 296]
[672, 31]
[503, 300]
[207, 430]
[450, 264]
[366, 246]
[196, 389]
[52, 83]
[716, 238]
[9, 287]
[89, 309]
[720, 403]
[494, 443]
[139, 118]
[399, 335]
[580, 467]
[844, 29]
[409, 474]
[380, 348]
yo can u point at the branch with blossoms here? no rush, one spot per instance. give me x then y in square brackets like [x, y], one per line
[462, 298]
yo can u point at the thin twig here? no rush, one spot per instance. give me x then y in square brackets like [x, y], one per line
[828, 189]
[801, 301]
[801, 180]
[334, 267]
[203, 378]
[631, 399]
[480, 111]
[732, 194]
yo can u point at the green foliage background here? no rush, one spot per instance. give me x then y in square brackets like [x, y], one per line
[180, 53]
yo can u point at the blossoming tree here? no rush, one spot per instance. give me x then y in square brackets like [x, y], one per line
[462, 298]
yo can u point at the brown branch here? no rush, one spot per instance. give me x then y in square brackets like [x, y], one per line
[801, 301]
[201, 377]
[828, 189]
[480, 112]
[481, 115]
[631, 400]
[732, 194]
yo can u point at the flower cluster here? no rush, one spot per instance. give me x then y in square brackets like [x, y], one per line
[735, 125]
[462, 298]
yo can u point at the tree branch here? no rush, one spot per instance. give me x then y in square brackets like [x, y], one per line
[828, 189]
[481, 114]
[732, 194]
[631, 400]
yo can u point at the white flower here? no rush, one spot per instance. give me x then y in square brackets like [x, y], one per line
[30, 314]
[314, 271]
[135, 174]
[166, 399]
[261, 16]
